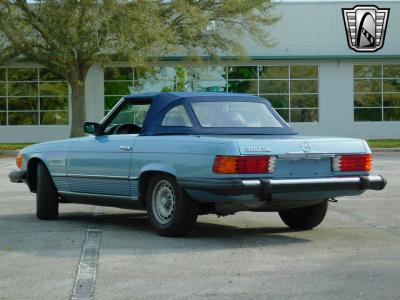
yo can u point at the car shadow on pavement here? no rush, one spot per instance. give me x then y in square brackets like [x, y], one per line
[133, 223]
[126, 232]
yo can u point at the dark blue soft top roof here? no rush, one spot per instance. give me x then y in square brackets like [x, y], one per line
[163, 99]
[161, 103]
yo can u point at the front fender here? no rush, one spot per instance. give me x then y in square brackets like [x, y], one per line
[29, 158]
[31, 163]
[54, 160]
[55, 163]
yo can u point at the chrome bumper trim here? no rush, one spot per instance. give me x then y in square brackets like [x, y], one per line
[305, 181]
[269, 186]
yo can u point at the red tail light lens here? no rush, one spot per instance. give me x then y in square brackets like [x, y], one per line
[352, 163]
[244, 164]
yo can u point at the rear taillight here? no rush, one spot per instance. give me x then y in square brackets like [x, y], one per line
[352, 163]
[244, 164]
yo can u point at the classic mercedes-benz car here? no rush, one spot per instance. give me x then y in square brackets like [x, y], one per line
[179, 155]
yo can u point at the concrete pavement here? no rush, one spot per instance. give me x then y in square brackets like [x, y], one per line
[353, 254]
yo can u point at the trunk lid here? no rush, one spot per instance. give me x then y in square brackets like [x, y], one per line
[300, 156]
[280, 145]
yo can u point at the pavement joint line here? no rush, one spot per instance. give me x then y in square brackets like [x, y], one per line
[7, 164]
[354, 216]
[85, 280]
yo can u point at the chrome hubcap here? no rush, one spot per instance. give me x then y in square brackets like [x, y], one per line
[163, 201]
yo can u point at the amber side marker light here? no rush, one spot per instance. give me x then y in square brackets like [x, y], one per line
[244, 164]
[352, 163]
[19, 160]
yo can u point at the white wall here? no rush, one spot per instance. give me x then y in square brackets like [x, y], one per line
[316, 29]
[35, 133]
[95, 94]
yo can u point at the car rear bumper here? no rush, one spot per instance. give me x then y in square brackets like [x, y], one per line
[267, 187]
[17, 176]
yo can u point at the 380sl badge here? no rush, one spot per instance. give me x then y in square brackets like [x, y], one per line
[258, 149]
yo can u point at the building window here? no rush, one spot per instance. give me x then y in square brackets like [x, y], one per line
[32, 96]
[243, 79]
[119, 82]
[377, 93]
[292, 90]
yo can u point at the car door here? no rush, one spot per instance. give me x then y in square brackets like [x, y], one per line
[101, 164]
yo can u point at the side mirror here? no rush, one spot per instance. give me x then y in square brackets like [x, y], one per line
[93, 128]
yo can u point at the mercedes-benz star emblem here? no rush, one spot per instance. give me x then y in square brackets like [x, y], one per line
[305, 147]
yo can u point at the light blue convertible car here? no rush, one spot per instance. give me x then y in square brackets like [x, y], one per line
[179, 155]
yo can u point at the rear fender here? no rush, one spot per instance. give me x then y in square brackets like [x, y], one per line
[158, 167]
[145, 175]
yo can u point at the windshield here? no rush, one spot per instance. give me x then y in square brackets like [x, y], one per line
[234, 114]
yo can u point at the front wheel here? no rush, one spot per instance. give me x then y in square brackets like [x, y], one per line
[171, 211]
[305, 217]
[46, 195]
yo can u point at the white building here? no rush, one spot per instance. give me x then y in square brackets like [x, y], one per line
[311, 76]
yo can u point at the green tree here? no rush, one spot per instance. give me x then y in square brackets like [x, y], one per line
[179, 81]
[68, 37]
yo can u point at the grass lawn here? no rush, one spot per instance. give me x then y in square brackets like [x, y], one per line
[14, 146]
[384, 143]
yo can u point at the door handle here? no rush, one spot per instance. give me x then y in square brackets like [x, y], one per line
[125, 148]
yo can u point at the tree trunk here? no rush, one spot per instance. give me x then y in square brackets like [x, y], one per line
[78, 108]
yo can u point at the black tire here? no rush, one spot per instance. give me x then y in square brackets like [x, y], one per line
[46, 195]
[305, 217]
[183, 215]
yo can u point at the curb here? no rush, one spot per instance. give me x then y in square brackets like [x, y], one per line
[9, 152]
[384, 150]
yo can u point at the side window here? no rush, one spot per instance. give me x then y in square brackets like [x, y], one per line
[131, 114]
[177, 116]
[129, 118]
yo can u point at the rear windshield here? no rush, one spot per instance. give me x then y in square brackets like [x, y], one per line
[234, 114]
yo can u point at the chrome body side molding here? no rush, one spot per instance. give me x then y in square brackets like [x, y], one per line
[102, 200]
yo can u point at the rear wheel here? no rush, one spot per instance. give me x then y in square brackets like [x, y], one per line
[171, 211]
[46, 195]
[305, 217]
